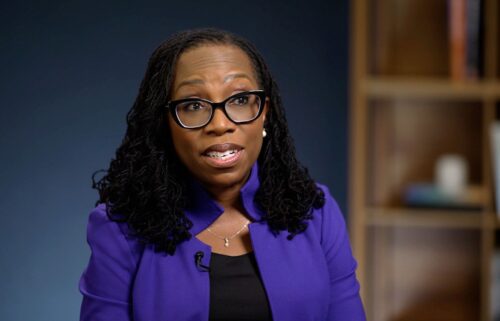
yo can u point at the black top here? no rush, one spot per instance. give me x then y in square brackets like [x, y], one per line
[236, 289]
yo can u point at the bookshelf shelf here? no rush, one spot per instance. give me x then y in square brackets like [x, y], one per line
[417, 93]
[453, 219]
[430, 88]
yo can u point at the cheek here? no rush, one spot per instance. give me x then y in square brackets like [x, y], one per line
[255, 138]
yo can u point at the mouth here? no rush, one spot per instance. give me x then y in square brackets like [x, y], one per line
[223, 155]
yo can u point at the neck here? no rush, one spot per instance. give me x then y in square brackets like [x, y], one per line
[228, 196]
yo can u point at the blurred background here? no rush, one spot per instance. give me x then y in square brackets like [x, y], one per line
[424, 142]
[393, 104]
[71, 71]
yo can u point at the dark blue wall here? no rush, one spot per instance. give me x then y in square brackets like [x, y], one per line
[70, 71]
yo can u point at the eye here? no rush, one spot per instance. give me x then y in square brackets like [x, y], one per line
[240, 100]
[192, 106]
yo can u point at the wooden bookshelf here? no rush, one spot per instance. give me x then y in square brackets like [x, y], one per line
[426, 263]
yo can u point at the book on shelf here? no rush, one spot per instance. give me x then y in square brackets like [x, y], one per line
[429, 195]
[464, 21]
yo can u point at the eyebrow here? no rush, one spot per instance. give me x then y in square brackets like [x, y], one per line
[189, 82]
[201, 81]
[237, 75]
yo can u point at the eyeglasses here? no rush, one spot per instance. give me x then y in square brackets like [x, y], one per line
[240, 108]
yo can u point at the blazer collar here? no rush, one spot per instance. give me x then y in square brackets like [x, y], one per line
[203, 210]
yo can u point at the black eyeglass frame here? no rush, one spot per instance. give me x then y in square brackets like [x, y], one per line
[171, 106]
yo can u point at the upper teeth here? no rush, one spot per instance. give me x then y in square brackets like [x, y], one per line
[222, 154]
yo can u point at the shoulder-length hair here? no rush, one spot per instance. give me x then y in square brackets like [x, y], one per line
[145, 183]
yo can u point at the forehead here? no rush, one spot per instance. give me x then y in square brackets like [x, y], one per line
[211, 61]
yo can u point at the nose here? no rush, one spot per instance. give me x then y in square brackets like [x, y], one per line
[220, 124]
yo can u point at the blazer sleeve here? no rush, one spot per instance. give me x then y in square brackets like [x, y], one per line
[345, 302]
[106, 282]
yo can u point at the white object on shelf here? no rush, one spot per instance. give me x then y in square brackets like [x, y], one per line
[451, 175]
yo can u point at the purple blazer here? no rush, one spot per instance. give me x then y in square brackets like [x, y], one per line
[311, 277]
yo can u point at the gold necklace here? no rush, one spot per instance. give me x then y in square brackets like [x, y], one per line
[227, 238]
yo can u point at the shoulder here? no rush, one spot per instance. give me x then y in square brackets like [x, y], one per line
[98, 217]
[101, 226]
[111, 236]
[328, 220]
[330, 212]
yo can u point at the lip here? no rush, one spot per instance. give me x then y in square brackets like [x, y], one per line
[222, 148]
[223, 163]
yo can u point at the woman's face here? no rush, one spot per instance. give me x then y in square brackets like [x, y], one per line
[221, 154]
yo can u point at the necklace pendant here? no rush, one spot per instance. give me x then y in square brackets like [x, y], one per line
[226, 242]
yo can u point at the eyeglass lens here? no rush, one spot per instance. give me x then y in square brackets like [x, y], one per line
[239, 109]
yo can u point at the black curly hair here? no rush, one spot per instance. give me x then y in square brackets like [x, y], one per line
[145, 183]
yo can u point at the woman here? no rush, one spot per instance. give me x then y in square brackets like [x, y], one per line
[205, 213]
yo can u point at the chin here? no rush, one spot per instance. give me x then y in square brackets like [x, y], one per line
[226, 179]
